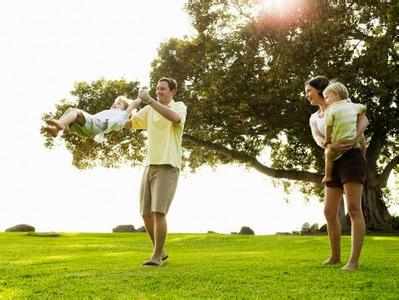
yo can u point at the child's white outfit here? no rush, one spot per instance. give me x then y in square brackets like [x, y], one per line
[101, 123]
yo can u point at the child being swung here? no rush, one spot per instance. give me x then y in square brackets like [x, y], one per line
[97, 125]
[340, 120]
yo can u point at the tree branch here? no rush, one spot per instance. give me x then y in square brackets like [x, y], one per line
[383, 178]
[253, 162]
[237, 6]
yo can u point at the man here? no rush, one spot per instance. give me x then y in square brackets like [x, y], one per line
[164, 121]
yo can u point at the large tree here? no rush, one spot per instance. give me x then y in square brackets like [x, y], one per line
[242, 77]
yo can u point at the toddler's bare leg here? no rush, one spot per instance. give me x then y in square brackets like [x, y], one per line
[52, 130]
[55, 123]
[329, 162]
[71, 115]
[67, 118]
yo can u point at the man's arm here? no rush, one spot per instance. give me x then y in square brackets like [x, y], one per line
[128, 124]
[165, 111]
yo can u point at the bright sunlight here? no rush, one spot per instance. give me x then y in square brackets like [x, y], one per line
[280, 6]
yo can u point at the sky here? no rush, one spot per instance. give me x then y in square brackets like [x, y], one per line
[45, 47]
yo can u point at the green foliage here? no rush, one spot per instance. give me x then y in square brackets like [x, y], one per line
[126, 146]
[108, 266]
[242, 76]
[314, 228]
[305, 228]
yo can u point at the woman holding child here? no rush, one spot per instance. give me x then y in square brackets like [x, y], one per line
[348, 175]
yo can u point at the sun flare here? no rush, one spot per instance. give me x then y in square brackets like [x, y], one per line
[280, 6]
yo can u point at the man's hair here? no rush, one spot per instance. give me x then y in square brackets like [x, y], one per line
[124, 100]
[171, 83]
[338, 88]
[319, 83]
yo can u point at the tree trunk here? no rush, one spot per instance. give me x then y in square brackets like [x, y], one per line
[375, 212]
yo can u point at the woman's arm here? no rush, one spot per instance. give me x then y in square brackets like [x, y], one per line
[361, 124]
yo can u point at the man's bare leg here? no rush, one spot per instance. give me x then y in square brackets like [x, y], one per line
[149, 226]
[155, 224]
[160, 232]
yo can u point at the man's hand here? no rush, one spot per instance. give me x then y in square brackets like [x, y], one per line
[128, 124]
[145, 96]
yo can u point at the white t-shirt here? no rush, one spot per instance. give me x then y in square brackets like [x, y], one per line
[116, 119]
[320, 122]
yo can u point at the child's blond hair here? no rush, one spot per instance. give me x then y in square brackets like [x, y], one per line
[124, 100]
[338, 88]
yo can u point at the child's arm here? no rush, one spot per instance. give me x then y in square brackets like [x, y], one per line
[134, 104]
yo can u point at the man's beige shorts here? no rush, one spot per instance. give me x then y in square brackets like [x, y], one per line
[158, 187]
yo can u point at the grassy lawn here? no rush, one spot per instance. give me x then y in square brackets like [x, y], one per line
[108, 266]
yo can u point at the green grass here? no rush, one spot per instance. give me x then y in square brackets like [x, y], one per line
[108, 266]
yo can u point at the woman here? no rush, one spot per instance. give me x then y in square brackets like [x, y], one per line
[348, 177]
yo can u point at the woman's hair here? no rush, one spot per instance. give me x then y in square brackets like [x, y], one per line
[319, 83]
[171, 83]
[338, 88]
[124, 100]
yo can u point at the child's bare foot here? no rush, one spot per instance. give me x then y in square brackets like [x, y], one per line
[53, 131]
[349, 267]
[331, 261]
[326, 179]
[56, 124]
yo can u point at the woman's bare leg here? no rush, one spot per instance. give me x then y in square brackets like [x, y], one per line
[353, 194]
[331, 208]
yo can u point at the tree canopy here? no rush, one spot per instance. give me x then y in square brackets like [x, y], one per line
[120, 147]
[242, 77]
